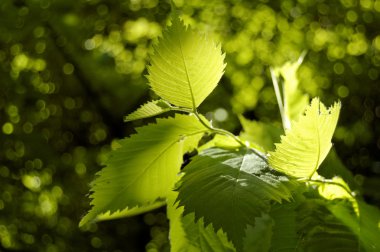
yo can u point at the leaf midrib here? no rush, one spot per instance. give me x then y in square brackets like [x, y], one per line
[187, 74]
[318, 143]
[147, 168]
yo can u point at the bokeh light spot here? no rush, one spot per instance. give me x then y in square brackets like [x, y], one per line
[31, 182]
[343, 91]
[7, 128]
[27, 127]
[338, 68]
[96, 242]
[80, 169]
[68, 68]
[220, 114]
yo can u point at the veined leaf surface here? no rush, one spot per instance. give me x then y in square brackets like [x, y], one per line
[188, 236]
[229, 189]
[307, 143]
[145, 167]
[185, 66]
[149, 109]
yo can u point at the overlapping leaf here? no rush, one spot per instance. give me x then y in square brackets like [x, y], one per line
[319, 230]
[307, 143]
[364, 223]
[263, 134]
[188, 236]
[145, 167]
[149, 109]
[294, 100]
[229, 189]
[185, 67]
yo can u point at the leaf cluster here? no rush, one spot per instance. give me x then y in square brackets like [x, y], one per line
[233, 195]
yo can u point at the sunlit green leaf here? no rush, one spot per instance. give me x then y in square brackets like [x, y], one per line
[263, 134]
[185, 66]
[149, 109]
[307, 143]
[145, 167]
[129, 212]
[295, 101]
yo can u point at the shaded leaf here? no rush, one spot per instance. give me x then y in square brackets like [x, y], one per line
[320, 230]
[365, 224]
[229, 189]
[188, 236]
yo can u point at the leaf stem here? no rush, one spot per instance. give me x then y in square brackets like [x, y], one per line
[330, 182]
[217, 130]
[227, 133]
[276, 87]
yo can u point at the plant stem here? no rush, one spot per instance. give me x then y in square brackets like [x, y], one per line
[279, 99]
[227, 133]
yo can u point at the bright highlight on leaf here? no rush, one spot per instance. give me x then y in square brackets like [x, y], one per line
[229, 189]
[185, 66]
[145, 167]
[149, 109]
[307, 143]
[294, 100]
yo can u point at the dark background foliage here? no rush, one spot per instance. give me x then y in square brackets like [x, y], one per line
[70, 70]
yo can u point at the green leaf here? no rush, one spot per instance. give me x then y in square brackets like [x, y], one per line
[258, 238]
[229, 189]
[221, 141]
[320, 230]
[285, 234]
[333, 166]
[149, 109]
[294, 101]
[307, 143]
[129, 212]
[185, 66]
[365, 223]
[188, 236]
[145, 167]
[177, 235]
[276, 231]
[262, 134]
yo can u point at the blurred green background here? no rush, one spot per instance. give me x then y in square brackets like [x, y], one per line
[70, 70]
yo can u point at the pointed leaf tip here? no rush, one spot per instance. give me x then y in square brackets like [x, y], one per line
[185, 67]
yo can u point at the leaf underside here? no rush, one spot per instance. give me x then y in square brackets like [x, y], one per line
[149, 109]
[229, 189]
[185, 66]
[145, 167]
[307, 143]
